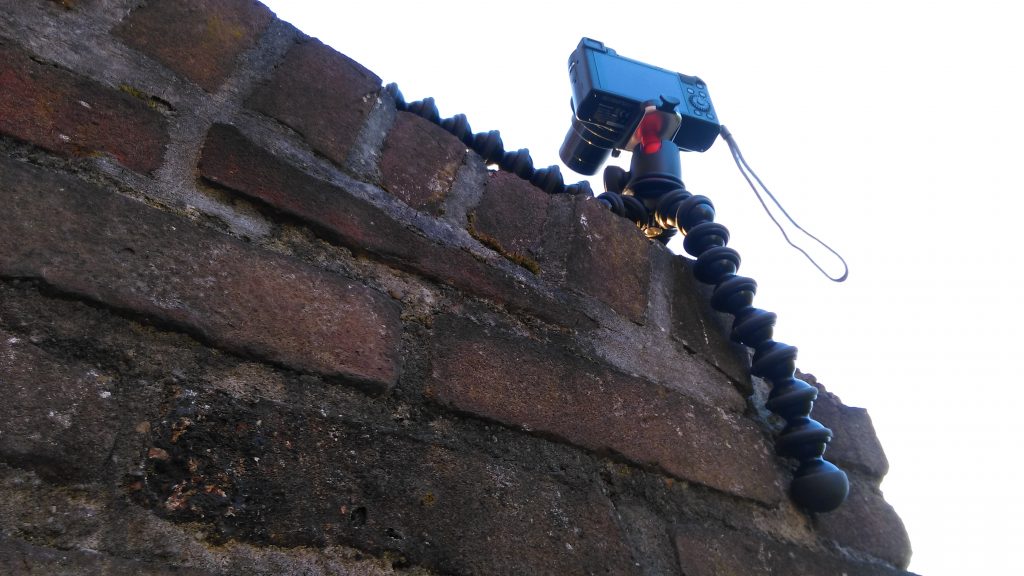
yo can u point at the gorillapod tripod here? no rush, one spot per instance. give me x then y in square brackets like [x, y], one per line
[652, 194]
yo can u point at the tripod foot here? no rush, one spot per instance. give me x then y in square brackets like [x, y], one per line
[819, 486]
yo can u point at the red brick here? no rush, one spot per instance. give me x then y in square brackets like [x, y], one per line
[73, 116]
[854, 444]
[107, 248]
[419, 161]
[523, 384]
[711, 550]
[198, 39]
[229, 159]
[601, 254]
[866, 522]
[510, 218]
[57, 418]
[321, 94]
[609, 259]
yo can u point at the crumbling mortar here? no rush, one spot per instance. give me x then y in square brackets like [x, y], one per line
[363, 158]
[466, 190]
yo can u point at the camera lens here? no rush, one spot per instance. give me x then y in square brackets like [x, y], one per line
[580, 152]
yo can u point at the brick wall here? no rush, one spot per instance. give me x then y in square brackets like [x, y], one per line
[255, 320]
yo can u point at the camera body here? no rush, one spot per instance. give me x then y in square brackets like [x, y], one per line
[609, 97]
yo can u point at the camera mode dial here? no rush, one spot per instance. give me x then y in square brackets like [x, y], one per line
[700, 102]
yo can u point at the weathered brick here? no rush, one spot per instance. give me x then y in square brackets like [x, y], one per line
[866, 522]
[419, 161]
[56, 416]
[609, 259]
[703, 330]
[711, 550]
[275, 474]
[300, 462]
[321, 94]
[510, 218]
[107, 248]
[73, 116]
[854, 444]
[198, 39]
[229, 159]
[523, 384]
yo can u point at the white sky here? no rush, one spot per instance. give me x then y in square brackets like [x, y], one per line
[889, 129]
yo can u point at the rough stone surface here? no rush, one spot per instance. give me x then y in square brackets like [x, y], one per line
[609, 259]
[19, 558]
[321, 94]
[73, 116]
[648, 534]
[227, 452]
[711, 550]
[702, 329]
[55, 415]
[866, 522]
[854, 444]
[201, 40]
[270, 474]
[85, 530]
[510, 218]
[535, 388]
[419, 162]
[229, 159]
[133, 258]
[660, 360]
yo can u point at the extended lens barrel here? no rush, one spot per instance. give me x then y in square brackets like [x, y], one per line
[580, 150]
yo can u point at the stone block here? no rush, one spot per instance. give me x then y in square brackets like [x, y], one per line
[419, 162]
[866, 522]
[854, 444]
[701, 328]
[284, 476]
[711, 550]
[106, 248]
[532, 387]
[609, 259]
[321, 94]
[58, 418]
[74, 116]
[510, 219]
[231, 160]
[198, 39]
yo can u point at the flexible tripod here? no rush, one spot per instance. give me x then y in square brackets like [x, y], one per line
[652, 195]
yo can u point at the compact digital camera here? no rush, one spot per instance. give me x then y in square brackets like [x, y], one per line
[609, 96]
